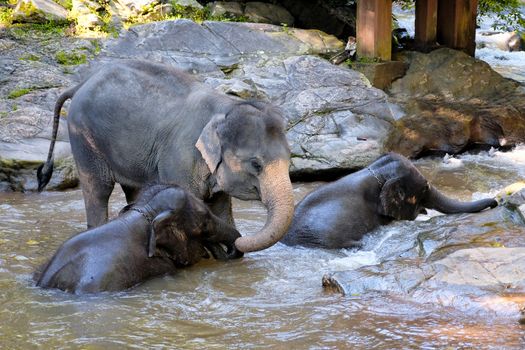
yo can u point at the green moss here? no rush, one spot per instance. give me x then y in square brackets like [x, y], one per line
[3, 114]
[30, 57]
[32, 31]
[70, 59]
[20, 92]
[67, 4]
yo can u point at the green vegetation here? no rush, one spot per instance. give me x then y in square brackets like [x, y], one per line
[507, 12]
[5, 16]
[30, 57]
[67, 4]
[20, 92]
[71, 58]
[362, 60]
[38, 30]
[178, 11]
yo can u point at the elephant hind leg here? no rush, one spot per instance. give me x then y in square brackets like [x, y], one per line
[96, 193]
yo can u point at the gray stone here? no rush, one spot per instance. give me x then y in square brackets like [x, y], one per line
[38, 11]
[188, 3]
[225, 8]
[335, 118]
[267, 13]
[471, 263]
[89, 20]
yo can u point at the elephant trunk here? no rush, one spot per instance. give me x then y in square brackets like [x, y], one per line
[440, 202]
[277, 195]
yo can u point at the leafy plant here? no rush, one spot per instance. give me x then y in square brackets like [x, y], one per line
[70, 59]
[5, 16]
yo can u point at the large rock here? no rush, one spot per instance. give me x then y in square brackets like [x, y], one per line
[226, 8]
[336, 120]
[39, 11]
[452, 101]
[267, 13]
[32, 79]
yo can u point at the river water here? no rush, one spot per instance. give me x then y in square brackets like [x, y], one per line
[269, 299]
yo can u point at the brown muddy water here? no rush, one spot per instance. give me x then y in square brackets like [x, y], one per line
[271, 299]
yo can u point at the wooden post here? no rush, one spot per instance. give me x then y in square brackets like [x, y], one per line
[457, 24]
[426, 23]
[374, 29]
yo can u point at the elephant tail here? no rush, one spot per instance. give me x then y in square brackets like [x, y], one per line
[437, 200]
[45, 170]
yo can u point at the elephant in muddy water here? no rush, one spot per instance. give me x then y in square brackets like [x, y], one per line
[135, 122]
[165, 229]
[338, 214]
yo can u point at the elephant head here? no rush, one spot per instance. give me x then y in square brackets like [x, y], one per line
[182, 226]
[405, 192]
[247, 153]
[166, 239]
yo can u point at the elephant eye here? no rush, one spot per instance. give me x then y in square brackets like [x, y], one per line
[256, 165]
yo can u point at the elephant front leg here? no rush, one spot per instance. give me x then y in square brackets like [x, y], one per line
[222, 230]
[221, 206]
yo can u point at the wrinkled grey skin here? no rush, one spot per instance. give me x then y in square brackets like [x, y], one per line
[136, 122]
[337, 215]
[166, 229]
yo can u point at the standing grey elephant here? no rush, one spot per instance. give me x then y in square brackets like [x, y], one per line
[166, 229]
[339, 214]
[135, 122]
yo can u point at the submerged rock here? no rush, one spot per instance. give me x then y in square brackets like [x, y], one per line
[472, 263]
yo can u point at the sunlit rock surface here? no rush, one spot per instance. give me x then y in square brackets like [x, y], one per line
[452, 101]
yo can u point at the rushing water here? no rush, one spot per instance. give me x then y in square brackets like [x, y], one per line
[269, 299]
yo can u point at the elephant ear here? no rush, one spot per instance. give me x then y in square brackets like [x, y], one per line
[155, 231]
[209, 143]
[392, 199]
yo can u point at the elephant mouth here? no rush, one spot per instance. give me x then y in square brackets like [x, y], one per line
[221, 251]
[252, 193]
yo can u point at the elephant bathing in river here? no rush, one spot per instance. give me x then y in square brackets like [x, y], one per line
[337, 215]
[136, 122]
[167, 228]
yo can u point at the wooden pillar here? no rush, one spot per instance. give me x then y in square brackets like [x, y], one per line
[374, 29]
[426, 23]
[457, 24]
